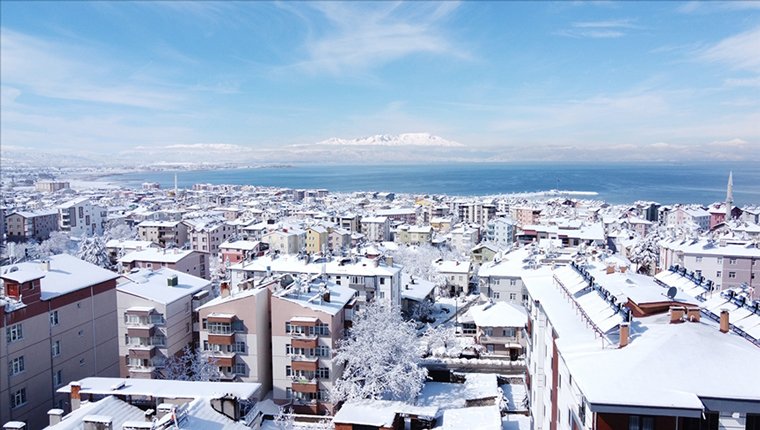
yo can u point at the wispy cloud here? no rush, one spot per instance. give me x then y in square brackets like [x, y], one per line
[739, 52]
[365, 35]
[706, 7]
[604, 29]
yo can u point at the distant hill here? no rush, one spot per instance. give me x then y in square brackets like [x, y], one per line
[403, 140]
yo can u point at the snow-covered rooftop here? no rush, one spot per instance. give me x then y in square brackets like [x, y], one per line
[67, 273]
[480, 417]
[158, 255]
[152, 285]
[159, 388]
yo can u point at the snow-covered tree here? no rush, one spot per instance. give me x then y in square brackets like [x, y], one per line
[436, 340]
[284, 420]
[418, 261]
[423, 311]
[93, 250]
[380, 357]
[119, 231]
[191, 365]
[646, 253]
[58, 243]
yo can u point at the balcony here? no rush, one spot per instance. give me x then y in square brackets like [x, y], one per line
[220, 318]
[148, 330]
[223, 359]
[303, 363]
[303, 341]
[142, 352]
[305, 386]
[221, 339]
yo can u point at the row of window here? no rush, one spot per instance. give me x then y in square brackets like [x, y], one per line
[320, 395]
[318, 330]
[320, 351]
[731, 260]
[144, 341]
[322, 372]
[238, 346]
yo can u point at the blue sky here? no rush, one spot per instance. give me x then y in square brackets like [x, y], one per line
[515, 81]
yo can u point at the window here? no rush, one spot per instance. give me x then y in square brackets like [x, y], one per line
[382, 281]
[495, 295]
[513, 282]
[718, 273]
[288, 327]
[720, 260]
[18, 398]
[14, 333]
[16, 365]
[288, 371]
[239, 347]
[699, 259]
[53, 318]
[323, 372]
[288, 393]
[240, 369]
[81, 361]
[56, 348]
[58, 378]
[512, 296]
[731, 261]
[323, 351]
[732, 275]
[288, 349]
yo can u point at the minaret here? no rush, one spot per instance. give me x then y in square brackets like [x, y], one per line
[729, 195]
[176, 193]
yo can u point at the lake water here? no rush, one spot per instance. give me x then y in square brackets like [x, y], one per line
[615, 183]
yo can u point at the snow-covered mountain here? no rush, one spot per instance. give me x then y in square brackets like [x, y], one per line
[404, 139]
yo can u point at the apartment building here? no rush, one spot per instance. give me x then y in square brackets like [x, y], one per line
[164, 233]
[50, 186]
[525, 215]
[81, 218]
[317, 239]
[464, 238]
[610, 350]
[23, 226]
[57, 324]
[339, 239]
[371, 277]
[376, 228]
[413, 235]
[498, 327]
[183, 260]
[235, 332]
[155, 318]
[285, 241]
[456, 273]
[308, 319]
[501, 279]
[239, 250]
[689, 217]
[727, 263]
[403, 215]
[501, 232]
[118, 248]
[206, 235]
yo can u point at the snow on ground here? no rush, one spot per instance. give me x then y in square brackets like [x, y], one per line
[515, 422]
[445, 307]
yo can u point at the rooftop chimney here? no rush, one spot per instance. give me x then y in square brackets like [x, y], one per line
[225, 289]
[724, 321]
[692, 314]
[75, 400]
[625, 331]
[14, 425]
[326, 296]
[676, 314]
[55, 416]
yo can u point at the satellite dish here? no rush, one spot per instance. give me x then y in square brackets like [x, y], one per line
[672, 291]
